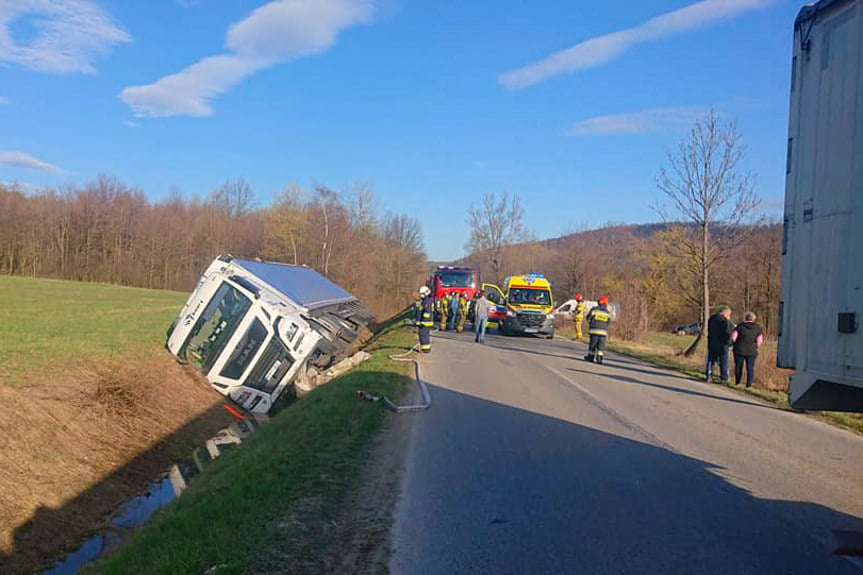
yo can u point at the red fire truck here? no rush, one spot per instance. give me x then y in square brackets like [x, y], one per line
[458, 280]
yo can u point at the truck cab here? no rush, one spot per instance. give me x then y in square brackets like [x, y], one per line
[448, 280]
[252, 327]
[524, 305]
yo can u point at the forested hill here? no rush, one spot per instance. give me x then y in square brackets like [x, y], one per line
[641, 268]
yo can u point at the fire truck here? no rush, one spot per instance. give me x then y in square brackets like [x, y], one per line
[453, 280]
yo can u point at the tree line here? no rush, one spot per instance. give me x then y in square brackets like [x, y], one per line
[107, 231]
[711, 249]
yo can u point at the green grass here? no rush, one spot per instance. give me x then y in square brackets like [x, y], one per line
[312, 451]
[54, 323]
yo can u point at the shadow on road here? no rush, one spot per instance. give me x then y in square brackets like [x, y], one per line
[494, 488]
[683, 391]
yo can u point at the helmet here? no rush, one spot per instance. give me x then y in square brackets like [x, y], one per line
[603, 300]
[579, 297]
[424, 291]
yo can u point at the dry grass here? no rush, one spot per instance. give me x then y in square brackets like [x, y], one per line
[77, 446]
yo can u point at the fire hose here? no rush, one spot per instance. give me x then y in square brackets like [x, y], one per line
[424, 392]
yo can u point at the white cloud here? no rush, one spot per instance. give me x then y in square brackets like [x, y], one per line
[600, 50]
[18, 159]
[69, 35]
[276, 32]
[641, 122]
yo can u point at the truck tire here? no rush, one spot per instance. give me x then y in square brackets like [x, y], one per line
[551, 335]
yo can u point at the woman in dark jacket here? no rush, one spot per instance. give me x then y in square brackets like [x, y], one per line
[747, 338]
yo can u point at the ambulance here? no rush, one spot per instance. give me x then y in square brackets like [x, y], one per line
[524, 305]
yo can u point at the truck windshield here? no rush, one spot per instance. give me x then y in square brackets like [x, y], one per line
[456, 279]
[215, 327]
[529, 296]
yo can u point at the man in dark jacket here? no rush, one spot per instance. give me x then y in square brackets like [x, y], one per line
[719, 329]
[598, 319]
[747, 338]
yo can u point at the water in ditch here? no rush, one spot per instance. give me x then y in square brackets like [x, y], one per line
[170, 485]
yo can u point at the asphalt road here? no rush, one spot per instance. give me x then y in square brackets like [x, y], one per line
[531, 460]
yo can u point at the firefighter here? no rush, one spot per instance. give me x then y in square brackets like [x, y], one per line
[425, 319]
[462, 313]
[598, 319]
[443, 304]
[578, 315]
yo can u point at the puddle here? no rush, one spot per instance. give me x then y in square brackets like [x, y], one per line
[137, 510]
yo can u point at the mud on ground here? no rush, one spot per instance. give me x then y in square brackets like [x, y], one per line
[78, 446]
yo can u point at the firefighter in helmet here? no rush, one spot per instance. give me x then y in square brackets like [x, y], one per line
[443, 309]
[425, 318]
[462, 313]
[598, 319]
[578, 315]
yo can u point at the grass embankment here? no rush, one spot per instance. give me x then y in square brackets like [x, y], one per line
[94, 408]
[279, 488]
[771, 385]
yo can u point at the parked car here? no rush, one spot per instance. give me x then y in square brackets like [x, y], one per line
[688, 329]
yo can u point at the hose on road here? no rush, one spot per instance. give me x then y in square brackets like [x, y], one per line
[424, 392]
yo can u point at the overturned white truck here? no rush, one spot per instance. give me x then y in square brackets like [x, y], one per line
[254, 328]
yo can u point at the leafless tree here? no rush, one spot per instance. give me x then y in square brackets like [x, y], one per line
[235, 198]
[495, 225]
[709, 193]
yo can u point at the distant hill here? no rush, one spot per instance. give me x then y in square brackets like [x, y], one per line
[618, 234]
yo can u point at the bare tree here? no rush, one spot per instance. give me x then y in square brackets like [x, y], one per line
[708, 192]
[235, 198]
[495, 225]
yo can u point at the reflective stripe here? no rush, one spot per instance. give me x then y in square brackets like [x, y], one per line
[601, 316]
[598, 332]
[427, 324]
[426, 346]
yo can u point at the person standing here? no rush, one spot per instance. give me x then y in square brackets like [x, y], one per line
[598, 319]
[719, 328]
[462, 313]
[747, 337]
[480, 315]
[425, 319]
[453, 310]
[444, 311]
[578, 315]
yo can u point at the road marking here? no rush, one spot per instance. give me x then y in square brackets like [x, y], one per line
[599, 404]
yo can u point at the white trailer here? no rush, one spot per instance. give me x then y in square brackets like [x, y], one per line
[822, 252]
[254, 327]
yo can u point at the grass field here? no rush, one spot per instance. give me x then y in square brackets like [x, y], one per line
[50, 324]
[95, 409]
[284, 486]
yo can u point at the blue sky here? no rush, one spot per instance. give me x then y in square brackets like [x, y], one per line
[571, 105]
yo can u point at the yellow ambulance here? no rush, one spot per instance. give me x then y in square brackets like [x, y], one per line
[525, 303]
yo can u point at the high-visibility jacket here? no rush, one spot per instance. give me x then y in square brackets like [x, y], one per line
[579, 311]
[462, 307]
[598, 319]
[424, 316]
[443, 305]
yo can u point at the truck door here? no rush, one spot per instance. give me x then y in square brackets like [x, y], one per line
[495, 296]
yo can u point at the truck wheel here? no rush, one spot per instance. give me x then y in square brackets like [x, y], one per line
[550, 336]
